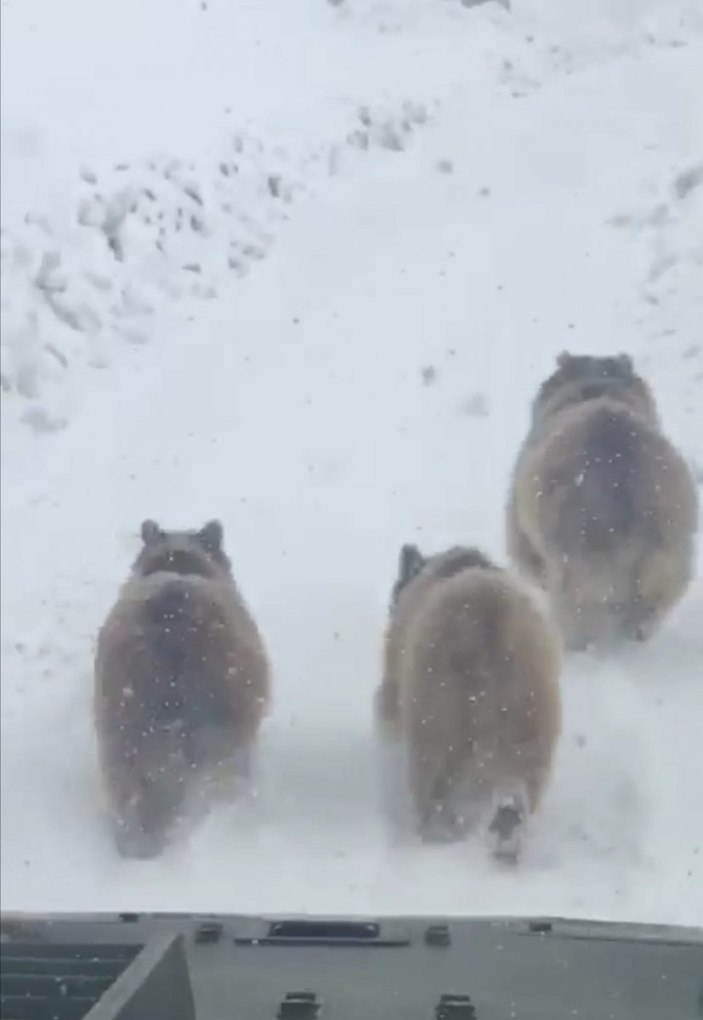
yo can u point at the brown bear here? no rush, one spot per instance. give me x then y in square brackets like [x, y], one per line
[471, 687]
[182, 683]
[603, 510]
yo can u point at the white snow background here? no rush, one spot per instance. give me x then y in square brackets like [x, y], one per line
[301, 266]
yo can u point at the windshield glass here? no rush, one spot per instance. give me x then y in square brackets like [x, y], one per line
[352, 442]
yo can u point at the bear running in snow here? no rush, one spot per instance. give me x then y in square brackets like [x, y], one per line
[471, 687]
[602, 512]
[181, 684]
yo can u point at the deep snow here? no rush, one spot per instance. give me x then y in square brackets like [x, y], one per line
[476, 218]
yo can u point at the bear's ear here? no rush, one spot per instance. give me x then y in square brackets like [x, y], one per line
[211, 536]
[564, 359]
[410, 563]
[150, 532]
[626, 362]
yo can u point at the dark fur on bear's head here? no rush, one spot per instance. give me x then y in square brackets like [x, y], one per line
[195, 552]
[411, 563]
[581, 377]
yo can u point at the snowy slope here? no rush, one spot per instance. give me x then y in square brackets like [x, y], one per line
[536, 206]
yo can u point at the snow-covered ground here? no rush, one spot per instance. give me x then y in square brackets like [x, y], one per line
[236, 238]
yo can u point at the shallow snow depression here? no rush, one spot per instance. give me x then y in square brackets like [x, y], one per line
[366, 383]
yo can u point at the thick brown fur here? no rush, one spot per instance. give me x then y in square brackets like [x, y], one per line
[181, 683]
[471, 687]
[603, 510]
